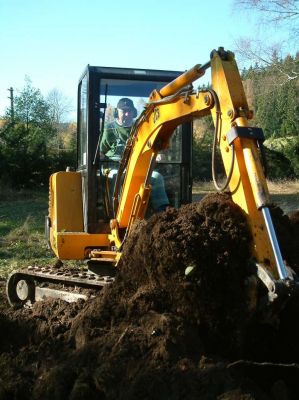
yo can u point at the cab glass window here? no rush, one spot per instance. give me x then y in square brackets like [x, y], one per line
[112, 90]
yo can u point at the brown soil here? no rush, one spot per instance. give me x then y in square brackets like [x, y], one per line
[155, 333]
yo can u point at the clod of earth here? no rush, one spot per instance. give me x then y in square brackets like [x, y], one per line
[156, 333]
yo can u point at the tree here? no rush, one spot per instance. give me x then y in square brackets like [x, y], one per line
[282, 15]
[274, 100]
[25, 156]
[31, 108]
[60, 106]
[276, 106]
[278, 11]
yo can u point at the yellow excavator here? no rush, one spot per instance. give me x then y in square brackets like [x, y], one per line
[91, 215]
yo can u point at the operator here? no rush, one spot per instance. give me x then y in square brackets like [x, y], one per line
[115, 136]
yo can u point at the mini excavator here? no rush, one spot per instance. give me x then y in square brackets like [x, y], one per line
[91, 215]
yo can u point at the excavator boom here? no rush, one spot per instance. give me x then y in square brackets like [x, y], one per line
[239, 145]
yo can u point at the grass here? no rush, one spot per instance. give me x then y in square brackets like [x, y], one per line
[22, 241]
[284, 187]
[275, 187]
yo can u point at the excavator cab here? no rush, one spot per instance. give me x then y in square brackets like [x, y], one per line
[99, 90]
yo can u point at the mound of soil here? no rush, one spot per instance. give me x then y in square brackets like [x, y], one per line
[174, 325]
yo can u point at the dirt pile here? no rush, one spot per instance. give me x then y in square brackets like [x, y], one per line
[156, 333]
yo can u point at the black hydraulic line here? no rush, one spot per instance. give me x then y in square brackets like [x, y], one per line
[216, 132]
[106, 194]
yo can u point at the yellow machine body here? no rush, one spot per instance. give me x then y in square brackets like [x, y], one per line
[151, 134]
[67, 237]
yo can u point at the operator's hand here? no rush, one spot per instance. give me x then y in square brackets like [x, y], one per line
[102, 156]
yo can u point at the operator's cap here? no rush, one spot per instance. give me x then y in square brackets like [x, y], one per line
[125, 104]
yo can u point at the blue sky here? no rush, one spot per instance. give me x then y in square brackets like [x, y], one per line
[52, 41]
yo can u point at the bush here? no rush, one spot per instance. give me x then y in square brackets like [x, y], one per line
[285, 152]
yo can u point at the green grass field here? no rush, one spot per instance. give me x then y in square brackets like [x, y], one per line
[22, 215]
[22, 241]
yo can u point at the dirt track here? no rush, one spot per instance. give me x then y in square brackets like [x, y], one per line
[155, 334]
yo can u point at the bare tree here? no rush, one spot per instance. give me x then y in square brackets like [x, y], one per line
[272, 10]
[60, 106]
[267, 55]
[275, 14]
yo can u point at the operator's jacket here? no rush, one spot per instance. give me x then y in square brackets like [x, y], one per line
[114, 139]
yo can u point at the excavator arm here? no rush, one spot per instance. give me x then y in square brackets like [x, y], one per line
[239, 144]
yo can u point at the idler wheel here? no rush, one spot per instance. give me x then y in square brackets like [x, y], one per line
[20, 289]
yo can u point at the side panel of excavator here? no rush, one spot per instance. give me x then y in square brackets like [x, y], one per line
[67, 237]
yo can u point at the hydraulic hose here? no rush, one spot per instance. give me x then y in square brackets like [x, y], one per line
[214, 148]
